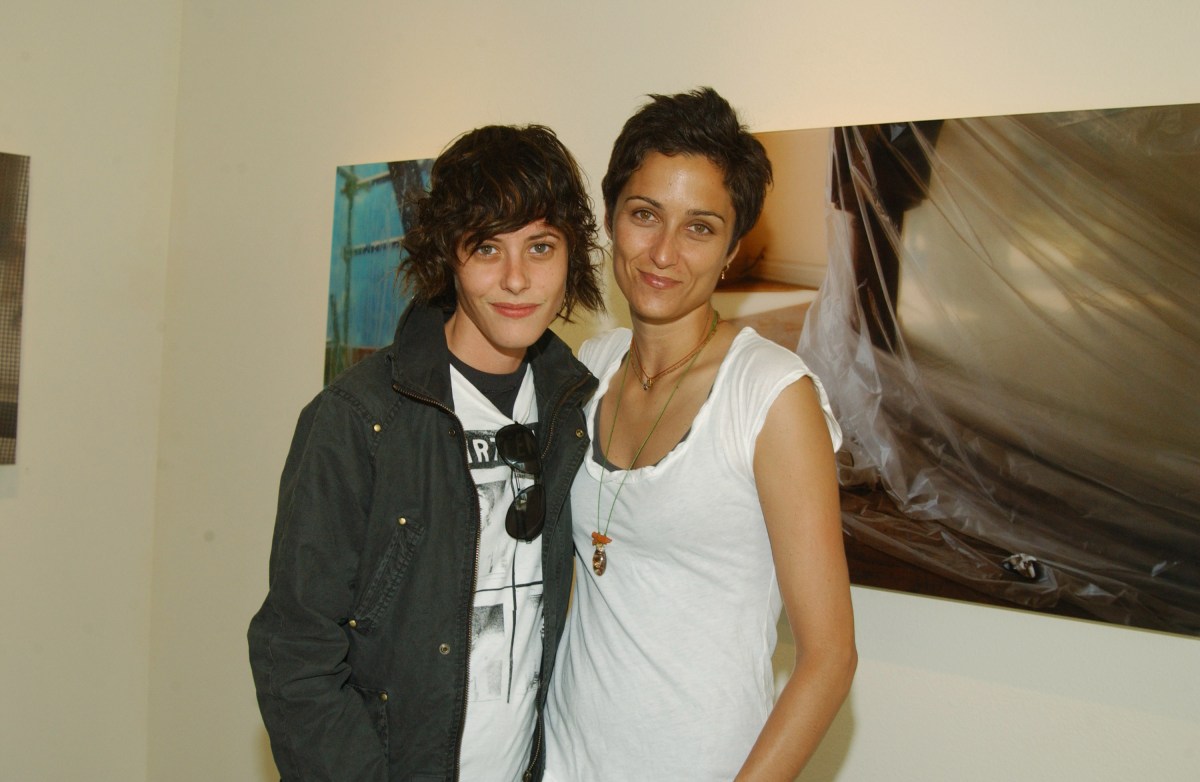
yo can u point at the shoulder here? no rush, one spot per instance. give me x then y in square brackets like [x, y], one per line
[556, 367]
[761, 361]
[366, 386]
[373, 370]
[604, 349]
[551, 350]
[758, 370]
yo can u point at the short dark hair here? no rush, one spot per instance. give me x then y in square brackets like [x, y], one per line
[493, 180]
[701, 123]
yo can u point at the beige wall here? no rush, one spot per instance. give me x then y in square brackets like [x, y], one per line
[209, 344]
[87, 90]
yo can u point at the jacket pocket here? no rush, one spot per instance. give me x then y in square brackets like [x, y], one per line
[375, 702]
[389, 573]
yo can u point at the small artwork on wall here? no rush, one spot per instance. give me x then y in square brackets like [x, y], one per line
[371, 213]
[14, 199]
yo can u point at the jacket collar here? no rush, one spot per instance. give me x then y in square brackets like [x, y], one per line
[420, 358]
[418, 355]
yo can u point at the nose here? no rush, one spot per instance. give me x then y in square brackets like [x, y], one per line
[663, 250]
[515, 275]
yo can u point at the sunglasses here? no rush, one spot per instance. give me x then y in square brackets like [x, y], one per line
[518, 448]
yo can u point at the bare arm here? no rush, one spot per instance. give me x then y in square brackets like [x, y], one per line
[797, 486]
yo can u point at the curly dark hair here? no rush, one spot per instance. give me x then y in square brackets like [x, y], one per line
[702, 123]
[493, 180]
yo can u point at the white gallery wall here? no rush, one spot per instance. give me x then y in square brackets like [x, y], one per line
[87, 91]
[183, 159]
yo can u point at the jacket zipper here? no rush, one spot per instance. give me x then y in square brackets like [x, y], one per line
[538, 729]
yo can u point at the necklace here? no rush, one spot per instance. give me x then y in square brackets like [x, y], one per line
[601, 539]
[648, 380]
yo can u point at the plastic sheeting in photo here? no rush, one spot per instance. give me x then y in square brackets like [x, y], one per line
[1008, 329]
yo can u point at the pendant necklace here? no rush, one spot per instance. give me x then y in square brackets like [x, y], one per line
[648, 380]
[601, 539]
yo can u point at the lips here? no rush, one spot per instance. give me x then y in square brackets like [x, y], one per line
[514, 311]
[660, 283]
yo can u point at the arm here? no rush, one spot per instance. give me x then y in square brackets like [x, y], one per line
[797, 486]
[319, 725]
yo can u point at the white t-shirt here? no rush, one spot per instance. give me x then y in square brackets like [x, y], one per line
[506, 647]
[664, 671]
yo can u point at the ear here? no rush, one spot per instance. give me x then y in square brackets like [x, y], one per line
[608, 224]
[733, 251]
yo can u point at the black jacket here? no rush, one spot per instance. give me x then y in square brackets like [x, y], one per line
[360, 649]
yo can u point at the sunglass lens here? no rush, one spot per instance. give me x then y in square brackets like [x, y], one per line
[527, 513]
[519, 448]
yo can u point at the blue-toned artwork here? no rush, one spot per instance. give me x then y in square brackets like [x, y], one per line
[370, 216]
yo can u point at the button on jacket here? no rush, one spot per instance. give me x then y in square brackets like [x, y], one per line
[360, 650]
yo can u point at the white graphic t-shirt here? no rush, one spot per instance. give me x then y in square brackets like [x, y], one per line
[506, 631]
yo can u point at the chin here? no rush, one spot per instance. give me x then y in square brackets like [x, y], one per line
[519, 338]
[655, 309]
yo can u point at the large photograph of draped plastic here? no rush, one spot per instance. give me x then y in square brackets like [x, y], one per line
[371, 211]
[1009, 332]
[14, 198]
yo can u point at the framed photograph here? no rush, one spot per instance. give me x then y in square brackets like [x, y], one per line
[1003, 312]
[14, 200]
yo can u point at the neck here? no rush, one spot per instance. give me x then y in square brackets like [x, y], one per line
[474, 350]
[660, 345]
[647, 377]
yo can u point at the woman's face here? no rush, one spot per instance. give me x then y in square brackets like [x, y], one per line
[671, 228]
[509, 290]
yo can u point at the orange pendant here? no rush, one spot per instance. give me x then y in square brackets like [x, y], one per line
[599, 558]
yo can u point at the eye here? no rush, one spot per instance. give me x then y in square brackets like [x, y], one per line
[645, 215]
[486, 250]
[542, 248]
[702, 229]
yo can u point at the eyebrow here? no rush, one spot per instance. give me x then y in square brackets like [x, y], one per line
[691, 212]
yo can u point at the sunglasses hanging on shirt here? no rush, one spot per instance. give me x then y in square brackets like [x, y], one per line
[518, 448]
